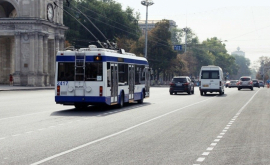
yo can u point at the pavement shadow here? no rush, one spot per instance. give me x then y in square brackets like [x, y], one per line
[214, 94]
[98, 110]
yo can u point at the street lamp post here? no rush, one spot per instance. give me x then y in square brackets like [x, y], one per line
[146, 3]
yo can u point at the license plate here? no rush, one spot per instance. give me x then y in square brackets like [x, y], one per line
[206, 85]
[179, 84]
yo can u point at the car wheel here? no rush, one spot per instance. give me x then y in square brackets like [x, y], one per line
[193, 91]
[171, 93]
[189, 91]
[201, 93]
[239, 89]
[251, 89]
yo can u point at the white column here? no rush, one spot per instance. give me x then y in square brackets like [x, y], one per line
[40, 80]
[46, 60]
[17, 74]
[31, 73]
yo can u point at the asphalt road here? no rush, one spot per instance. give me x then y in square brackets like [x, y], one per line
[166, 129]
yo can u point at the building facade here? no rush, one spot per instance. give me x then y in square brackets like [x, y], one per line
[31, 32]
[238, 52]
[152, 23]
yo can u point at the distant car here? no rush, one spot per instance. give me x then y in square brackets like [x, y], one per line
[227, 84]
[256, 83]
[261, 83]
[181, 84]
[233, 83]
[245, 82]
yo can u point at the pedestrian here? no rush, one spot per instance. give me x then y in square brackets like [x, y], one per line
[10, 80]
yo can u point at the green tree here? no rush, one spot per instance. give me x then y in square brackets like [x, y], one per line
[106, 16]
[243, 64]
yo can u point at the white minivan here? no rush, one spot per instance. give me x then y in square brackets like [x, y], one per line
[211, 80]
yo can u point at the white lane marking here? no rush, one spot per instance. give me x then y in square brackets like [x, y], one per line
[219, 137]
[201, 159]
[2, 138]
[115, 134]
[29, 132]
[41, 129]
[226, 127]
[210, 148]
[205, 153]
[24, 115]
[224, 131]
[16, 135]
[213, 144]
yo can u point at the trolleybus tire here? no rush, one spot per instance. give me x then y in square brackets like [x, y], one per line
[141, 101]
[121, 101]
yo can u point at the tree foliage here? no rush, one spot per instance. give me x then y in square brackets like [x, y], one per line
[108, 16]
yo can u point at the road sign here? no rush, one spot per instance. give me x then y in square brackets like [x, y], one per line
[177, 47]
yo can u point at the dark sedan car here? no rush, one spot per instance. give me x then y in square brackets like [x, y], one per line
[261, 83]
[256, 83]
[181, 84]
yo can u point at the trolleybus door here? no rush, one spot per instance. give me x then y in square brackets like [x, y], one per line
[114, 83]
[131, 81]
[79, 74]
[147, 81]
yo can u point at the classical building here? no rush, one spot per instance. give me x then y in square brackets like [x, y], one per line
[238, 52]
[152, 23]
[31, 32]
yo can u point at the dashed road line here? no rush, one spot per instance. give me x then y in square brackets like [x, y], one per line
[201, 159]
[2, 138]
[29, 132]
[16, 135]
[117, 133]
[205, 153]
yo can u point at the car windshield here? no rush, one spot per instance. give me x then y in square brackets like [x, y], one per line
[179, 80]
[245, 79]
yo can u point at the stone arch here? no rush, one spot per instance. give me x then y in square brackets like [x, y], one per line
[8, 8]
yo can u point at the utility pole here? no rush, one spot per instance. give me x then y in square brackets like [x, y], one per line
[186, 30]
[146, 3]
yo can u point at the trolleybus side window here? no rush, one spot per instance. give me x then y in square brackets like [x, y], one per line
[65, 71]
[108, 74]
[123, 74]
[93, 71]
[139, 74]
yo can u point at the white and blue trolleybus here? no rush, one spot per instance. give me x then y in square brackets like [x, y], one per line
[92, 76]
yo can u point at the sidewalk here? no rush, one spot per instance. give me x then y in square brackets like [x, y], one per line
[17, 88]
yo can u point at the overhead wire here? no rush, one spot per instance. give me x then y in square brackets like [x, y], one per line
[80, 24]
[91, 23]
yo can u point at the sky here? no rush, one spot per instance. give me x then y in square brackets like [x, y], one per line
[243, 23]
